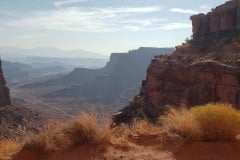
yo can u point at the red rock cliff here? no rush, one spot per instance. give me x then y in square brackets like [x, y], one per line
[222, 18]
[189, 81]
[186, 78]
[4, 91]
[216, 31]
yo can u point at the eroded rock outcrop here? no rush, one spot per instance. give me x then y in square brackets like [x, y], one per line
[197, 72]
[175, 83]
[222, 18]
[216, 30]
[185, 80]
[4, 91]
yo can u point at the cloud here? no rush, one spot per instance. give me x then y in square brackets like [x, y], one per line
[176, 25]
[34, 36]
[133, 28]
[77, 19]
[205, 7]
[65, 2]
[184, 11]
[144, 22]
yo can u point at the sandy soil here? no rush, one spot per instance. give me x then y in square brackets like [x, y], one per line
[143, 148]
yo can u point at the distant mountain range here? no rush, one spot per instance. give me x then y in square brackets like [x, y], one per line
[115, 83]
[35, 67]
[22, 64]
[15, 54]
[15, 71]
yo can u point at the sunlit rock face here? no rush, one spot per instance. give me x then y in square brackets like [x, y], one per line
[216, 31]
[176, 83]
[185, 80]
[222, 18]
[203, 70]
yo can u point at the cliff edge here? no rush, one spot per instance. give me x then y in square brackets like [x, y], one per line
[198, 72]
[216, 31]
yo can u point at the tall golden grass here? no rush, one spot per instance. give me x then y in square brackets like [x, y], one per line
[211, 122]
[181, 122]
[217, 121]
[86, 130]
[8, 148]
[82, 130]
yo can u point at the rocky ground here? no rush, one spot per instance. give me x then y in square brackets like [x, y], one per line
[16, 121]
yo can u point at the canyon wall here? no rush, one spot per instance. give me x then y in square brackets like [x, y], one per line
[4, 91]
[197, 73]
[216, 31]
[119, 80]
[176, 83]
[222, 18]
[109, 87]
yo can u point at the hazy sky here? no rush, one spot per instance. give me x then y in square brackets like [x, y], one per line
[102, 26]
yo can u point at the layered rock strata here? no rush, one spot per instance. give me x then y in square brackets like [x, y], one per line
[185, 80]
[222, 18]
[203, 70]
[216, 31]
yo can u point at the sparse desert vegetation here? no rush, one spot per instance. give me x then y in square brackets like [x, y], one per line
[188, 105]
[8, 148]
[82, 130]
[211, 122]
[208, 123]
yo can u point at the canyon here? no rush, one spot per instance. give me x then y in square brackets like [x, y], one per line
[104, 89]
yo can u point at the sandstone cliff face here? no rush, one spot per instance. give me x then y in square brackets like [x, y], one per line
[222, 18]
[4, 91]
[216, 30]
[185, 80]
[175, 83]
[204, 70]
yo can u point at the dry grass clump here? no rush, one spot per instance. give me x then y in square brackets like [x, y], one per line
[83, 130]
[217, 121]
[144, 126]
[8, 148]
[182, 122]
[137, 127]
[86, 130]
[211, 122]
[51, 138]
